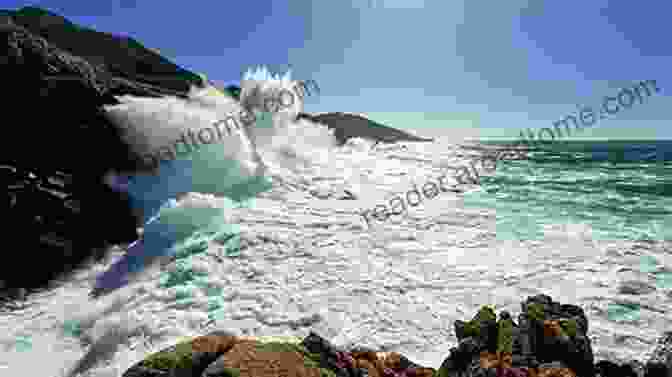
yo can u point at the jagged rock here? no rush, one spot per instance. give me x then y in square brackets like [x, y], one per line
[66, 73]
[330, 356]
[514, 372]
[141, 371]
[552, 341]
[360, 360]
[555, 370]
[605, 368]
[474, 369]
[220, 354]
[460, 329]
[53, 193]
[546, 332]
[505, 335]
[185, 359]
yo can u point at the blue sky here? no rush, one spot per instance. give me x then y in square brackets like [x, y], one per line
[490, 67]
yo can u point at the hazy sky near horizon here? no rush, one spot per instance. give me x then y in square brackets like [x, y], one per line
[492, 67]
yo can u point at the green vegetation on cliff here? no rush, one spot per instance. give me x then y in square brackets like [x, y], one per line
[179, 356]
[505, 336]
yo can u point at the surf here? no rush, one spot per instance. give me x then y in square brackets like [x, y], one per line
[265, 147]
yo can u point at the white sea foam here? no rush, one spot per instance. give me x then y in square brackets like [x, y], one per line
[309, 263]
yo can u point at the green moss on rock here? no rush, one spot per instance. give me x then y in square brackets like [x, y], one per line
[326, 373]
[535, 311]
[473, 327]
[443, 371]
[230, 372]
[569, 326]
[486, 313]
[179, 356]
[505, 336]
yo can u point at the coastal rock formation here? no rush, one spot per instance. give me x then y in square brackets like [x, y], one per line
[549, 339]
[347, 126]
[221, 354]
[59, 145]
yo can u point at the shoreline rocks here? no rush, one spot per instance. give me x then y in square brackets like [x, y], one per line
[220, 354]
[549, 339]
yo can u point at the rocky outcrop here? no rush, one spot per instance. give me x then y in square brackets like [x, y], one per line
[347, 126]
[548, 339]
[221, 354]
[57, 144]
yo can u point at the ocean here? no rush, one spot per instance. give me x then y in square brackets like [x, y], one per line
[584, 222]
[621, 189]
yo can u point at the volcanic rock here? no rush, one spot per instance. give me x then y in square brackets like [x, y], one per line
[60, 145]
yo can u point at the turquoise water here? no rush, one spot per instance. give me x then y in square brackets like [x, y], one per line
[620, 189]
[184, 230]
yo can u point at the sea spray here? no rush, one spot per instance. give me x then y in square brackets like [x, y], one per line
[231, 168]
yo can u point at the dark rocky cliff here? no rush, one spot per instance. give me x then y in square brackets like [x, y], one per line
[58, 145]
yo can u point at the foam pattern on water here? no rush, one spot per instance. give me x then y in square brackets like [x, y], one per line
[230, 169]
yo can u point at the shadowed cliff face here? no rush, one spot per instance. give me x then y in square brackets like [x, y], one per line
[59, 144]
[59, 133]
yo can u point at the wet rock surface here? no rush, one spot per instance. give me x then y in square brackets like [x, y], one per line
[549, 339]
[218, 355]
[59, 145]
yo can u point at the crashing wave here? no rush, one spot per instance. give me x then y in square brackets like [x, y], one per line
[233, 167]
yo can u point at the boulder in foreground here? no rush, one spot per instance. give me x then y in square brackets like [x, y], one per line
[549, 339]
